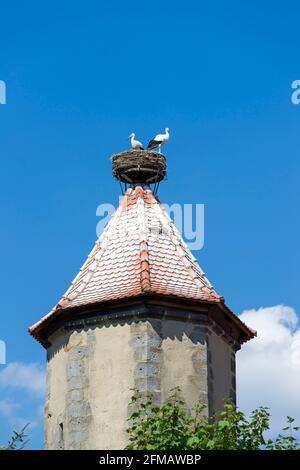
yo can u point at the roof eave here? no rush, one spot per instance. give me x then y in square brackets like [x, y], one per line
[58, 316]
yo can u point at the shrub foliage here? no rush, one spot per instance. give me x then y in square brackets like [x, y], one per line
[170, 426]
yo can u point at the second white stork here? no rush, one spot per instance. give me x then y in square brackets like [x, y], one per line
[135, 144]
[159, 140]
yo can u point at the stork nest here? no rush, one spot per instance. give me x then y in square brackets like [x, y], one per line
[139, 166]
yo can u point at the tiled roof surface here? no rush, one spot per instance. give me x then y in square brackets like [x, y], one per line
[140, 251]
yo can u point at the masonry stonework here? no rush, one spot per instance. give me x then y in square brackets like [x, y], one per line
[92, 371]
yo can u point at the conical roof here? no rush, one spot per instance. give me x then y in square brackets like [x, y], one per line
[139, 253]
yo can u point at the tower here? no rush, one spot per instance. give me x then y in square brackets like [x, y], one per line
[140, 314]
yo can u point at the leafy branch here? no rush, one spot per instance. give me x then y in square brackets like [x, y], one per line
[18, 440]
[170, 426]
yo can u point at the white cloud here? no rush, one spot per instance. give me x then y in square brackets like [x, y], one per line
[8, 408]
[22, 390]
[30, 377]
[11, 410]
[268, 367]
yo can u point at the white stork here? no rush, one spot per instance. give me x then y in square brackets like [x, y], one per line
[135, 144]
[159, 140]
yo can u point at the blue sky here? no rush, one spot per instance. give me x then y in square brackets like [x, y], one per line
[80, 77]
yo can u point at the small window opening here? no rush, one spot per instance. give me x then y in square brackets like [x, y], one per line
[61, 435]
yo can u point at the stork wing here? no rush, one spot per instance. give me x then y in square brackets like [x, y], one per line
[153, 143]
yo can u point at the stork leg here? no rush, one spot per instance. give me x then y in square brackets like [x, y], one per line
[159, 150]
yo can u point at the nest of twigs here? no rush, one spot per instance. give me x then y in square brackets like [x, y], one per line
[139, 166]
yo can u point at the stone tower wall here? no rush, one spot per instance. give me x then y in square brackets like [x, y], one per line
[91, 372]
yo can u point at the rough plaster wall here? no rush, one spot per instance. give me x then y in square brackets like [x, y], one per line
[111, 373]
[68, 419]
[184, 361]
[55, 404]
[221, 371]
[90, 377]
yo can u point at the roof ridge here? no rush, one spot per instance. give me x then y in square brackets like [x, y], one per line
[143, 243]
